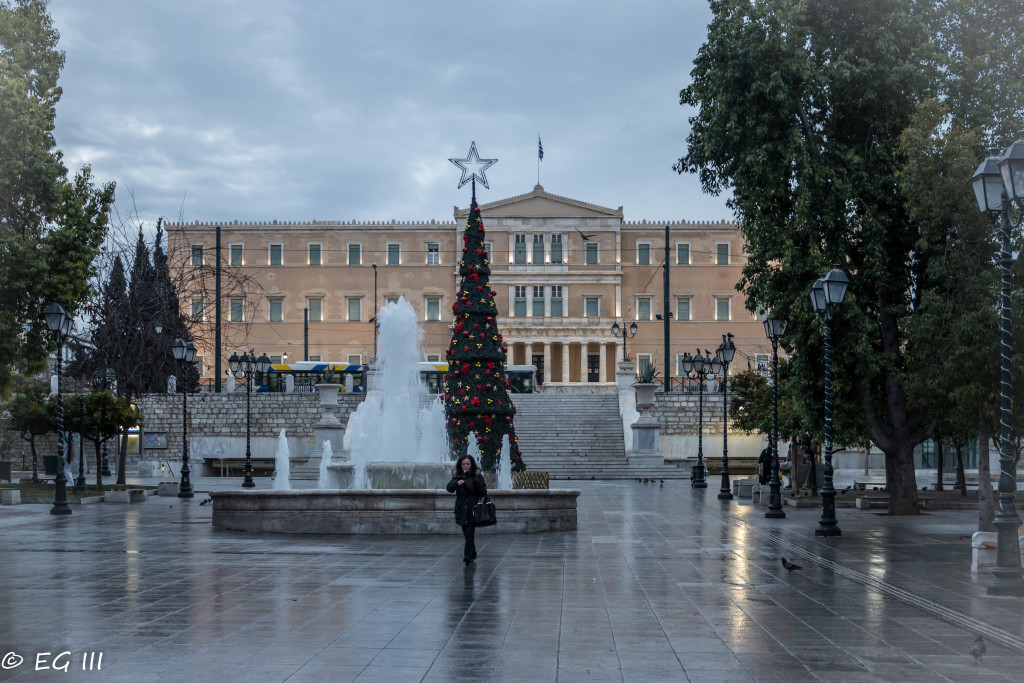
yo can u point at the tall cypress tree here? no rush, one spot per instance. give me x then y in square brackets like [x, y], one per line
[477, 397]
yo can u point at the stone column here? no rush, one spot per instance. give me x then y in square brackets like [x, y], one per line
[584, 350]
[602, 371]
[565, 362]
[547, 362]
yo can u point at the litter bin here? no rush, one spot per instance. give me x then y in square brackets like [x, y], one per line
[50, 463]
[5, 470]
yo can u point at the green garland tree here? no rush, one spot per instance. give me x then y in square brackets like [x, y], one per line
[477, 397]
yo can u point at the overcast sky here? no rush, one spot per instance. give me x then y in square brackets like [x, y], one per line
[343, 109]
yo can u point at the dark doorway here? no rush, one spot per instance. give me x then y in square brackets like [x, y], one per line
[593, 367]
[538, 362]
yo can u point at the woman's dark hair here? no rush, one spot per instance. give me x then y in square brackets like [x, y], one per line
[474, 469]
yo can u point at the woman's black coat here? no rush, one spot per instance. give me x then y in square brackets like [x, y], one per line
[467, 495]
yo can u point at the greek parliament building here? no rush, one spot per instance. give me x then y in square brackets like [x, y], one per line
[565, 271]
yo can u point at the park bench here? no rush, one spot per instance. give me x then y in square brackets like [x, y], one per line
[862, 483]
[924, 502]
[213, 467]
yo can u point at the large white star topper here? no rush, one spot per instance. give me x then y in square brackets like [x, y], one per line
[473, 167]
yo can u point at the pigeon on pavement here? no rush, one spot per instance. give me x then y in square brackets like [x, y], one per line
[789, 565]
[978, 649]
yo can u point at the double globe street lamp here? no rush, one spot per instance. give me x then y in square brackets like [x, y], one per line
[774, 329]
[998, 182]
[724, 354]
[185, 353]
[700, 368]
[826, 295]
[247, 365]
[59, 322]
[626, 334]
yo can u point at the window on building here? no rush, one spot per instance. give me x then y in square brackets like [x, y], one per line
[643, 254]
[391, 299]
[235, 255]
[643, 361]
[679, 365]
[722, 254]
[433, 358]
[682, 254]
[316, 309]
[519, 304]
[592, 306]
[275, 359]
[556, 248]
[355, 254]
[489, 248]
[355, 309]
[315, 358]
[197, 254]
[538, 249]
[520, 250]
[538, 301]
[355, 359]
[433, 308]
[276, 310]
[556, 301]
[433, 254]
[276, 256]
[394, 254]
[237, 310]
[591, 254]
[722, 306]
[683, 308]
[643, 308]
[197, 310]
[315, 254]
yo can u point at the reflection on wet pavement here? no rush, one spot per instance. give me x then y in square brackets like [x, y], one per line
[656, 584]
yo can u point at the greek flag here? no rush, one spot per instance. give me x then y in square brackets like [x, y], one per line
[540, 149]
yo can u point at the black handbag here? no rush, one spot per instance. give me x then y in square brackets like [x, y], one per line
[483, 514]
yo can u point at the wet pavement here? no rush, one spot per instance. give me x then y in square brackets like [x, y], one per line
[657, 584]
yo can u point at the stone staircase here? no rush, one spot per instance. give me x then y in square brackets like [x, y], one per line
[579, 436]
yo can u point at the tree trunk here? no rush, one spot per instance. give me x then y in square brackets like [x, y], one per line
[961, 479]
[938, 466]
[35, 460]
[122, 457]
[986, 503]
[900, 479]
[99, 465]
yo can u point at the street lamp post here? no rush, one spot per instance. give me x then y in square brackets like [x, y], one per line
[997, 183]
[185, 353]
[725, 353]
[248, 364]
[700, 368]
[826, 295]
[59, 322]
[108, 374]
[774, 329]
[80, 481]
[626, 334]
[376, 312]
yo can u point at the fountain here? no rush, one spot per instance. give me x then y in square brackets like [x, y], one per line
[282, 464]
[394, 463]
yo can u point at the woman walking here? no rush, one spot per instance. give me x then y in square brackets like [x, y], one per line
[468, 486]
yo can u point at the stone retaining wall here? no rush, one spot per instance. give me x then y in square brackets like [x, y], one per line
[677, 414]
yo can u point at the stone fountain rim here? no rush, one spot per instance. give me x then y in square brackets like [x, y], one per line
[575, 493]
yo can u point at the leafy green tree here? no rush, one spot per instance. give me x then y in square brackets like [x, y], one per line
[105, 417]
[51, 227]
[32, 415]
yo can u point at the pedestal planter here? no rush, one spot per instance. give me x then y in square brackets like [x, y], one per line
[646, 445]
[645, 395]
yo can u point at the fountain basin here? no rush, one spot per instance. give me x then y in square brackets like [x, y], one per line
[395, 475]
[386, 511]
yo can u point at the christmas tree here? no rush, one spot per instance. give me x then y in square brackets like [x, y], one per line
[477, 397]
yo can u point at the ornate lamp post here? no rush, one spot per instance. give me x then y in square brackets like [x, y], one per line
[247, 365]
[725, 353]
[826, 295]
[59, 322]
[774, 329]
[185, 353]
[699, 368]
[997, 183]
[626, 334]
